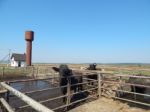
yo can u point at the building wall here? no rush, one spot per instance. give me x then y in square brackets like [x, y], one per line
[16, 63]
[23, 64]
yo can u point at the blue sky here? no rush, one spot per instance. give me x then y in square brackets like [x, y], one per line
[78, 31]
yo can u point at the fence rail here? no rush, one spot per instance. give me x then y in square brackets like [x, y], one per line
[5, 106]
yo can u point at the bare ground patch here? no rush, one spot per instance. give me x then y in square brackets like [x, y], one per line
[107, 105]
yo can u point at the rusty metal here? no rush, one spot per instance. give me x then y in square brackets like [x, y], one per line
[29, 37]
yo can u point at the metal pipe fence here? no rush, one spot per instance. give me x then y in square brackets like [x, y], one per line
[68, 95]
[128, 92]
[99, 82]
[68, 86]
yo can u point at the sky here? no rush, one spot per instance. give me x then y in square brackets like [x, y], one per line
[78, 31]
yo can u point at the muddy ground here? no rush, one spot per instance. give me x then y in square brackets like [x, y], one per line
[107, 105]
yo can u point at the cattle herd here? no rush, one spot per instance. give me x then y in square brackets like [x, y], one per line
[68, 76]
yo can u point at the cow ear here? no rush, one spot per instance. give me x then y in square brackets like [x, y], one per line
[55, 69]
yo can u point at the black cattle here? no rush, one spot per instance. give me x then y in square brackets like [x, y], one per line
[67, 75]
[92, 67]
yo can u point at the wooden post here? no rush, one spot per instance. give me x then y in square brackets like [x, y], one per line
[99, 84]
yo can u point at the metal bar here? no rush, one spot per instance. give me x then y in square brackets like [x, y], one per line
[6, 105]
[34, 104]
[99, 85]
[45, 89]
[142, 77]
[128, 92]
[93, 71]
[81, 100]
[89, 79]
[84, 91]
[83, 83]
[36, 79]
[72, 103]
[141, 103]
[138, 85]
[63, 106]
[51, 99]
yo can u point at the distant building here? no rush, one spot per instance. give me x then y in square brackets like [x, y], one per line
[18, 60]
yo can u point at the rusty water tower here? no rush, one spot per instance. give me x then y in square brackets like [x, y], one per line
[29, 37]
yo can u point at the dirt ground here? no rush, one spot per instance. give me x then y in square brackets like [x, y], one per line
[106, 105]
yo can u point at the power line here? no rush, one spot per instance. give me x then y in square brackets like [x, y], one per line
[6, 57]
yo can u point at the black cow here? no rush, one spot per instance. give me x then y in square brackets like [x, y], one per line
[66, 75]
[92, 67]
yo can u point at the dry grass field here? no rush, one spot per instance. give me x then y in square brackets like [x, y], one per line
[45, 69]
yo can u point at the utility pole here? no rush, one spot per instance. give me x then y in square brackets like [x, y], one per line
[9, 56]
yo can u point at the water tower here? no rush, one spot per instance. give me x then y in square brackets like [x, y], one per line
[29, 37]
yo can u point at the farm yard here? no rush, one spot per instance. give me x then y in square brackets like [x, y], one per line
[25, 81]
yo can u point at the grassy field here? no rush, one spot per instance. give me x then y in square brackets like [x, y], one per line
[45, 69]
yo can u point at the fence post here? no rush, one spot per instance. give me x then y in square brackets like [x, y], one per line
[3, 69]
[118, 93]
[68, 92]
[99, 85]
[37, 71]
[33, 71]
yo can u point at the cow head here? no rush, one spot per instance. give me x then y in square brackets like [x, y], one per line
[63, 70]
